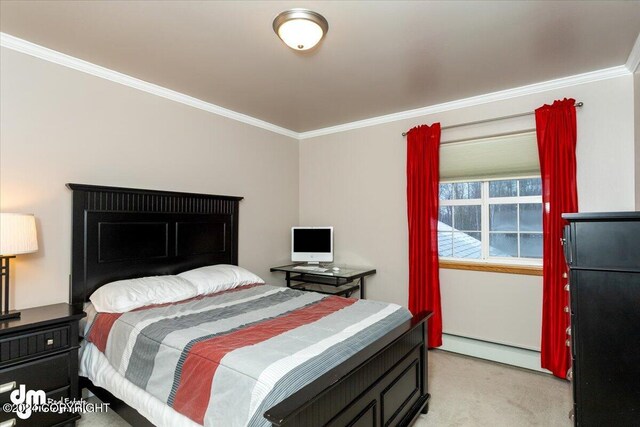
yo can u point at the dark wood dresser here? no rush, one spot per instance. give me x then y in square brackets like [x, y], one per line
[40, 351]
[603, 254]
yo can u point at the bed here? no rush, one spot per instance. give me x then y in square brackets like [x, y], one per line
[120, 233]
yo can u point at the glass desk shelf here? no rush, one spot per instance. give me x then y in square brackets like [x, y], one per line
[341, 282]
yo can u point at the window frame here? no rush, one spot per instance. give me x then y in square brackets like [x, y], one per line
[485, 201]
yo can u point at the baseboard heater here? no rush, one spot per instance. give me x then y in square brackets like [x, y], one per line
[501, 353]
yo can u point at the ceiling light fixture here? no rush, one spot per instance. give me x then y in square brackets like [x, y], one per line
[300, 29]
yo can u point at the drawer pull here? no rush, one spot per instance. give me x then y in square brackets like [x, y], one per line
[568, 343]
[7, 387]
[571, 415]
[570, 374]
[566, 308]
[8, 423]
[564, 275]
[35, 344]
[569, 330]
[566, 287]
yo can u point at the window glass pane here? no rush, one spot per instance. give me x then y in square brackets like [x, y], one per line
[531, 217]
[503, 217]
[467, 245]
[467, 190]
[466, 218]
[446, 191]
[515, 229]
[445, 244]
[503, 244]
[531, 245]
[531, 187]
[445, 216]
[505, 188]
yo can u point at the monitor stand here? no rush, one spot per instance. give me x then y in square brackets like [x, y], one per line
[313, 262]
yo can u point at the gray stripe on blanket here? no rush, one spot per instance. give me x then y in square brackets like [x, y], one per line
[295, 379]
[150, 339]
[187, 349]
[128, 323]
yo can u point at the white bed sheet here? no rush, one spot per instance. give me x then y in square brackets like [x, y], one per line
[95, 366]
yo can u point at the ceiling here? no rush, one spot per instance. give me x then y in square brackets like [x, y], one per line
[379, 57]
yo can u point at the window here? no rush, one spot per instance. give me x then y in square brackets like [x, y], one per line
[499, 219]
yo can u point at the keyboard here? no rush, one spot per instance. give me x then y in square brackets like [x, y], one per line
[310, 268]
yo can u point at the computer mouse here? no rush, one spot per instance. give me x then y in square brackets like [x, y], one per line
[336, 269]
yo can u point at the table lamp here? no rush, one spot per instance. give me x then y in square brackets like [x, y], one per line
[17, 236]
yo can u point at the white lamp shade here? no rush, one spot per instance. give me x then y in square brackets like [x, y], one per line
[17, 234]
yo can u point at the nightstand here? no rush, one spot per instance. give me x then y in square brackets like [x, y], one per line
[40, 350]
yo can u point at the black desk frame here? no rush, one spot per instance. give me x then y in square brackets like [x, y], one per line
[307, 280]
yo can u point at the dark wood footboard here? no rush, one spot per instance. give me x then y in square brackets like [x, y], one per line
[385, 384]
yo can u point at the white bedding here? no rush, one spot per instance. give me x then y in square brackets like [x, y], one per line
[95, 366]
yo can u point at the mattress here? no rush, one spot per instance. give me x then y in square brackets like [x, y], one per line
[224, 359]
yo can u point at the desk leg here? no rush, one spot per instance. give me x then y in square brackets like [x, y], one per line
[362, 288]
[288, 278]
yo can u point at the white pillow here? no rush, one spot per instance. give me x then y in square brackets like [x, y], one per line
[220, 277]
[127, 295]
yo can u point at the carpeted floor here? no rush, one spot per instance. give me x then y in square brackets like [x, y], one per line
[468, 392]
[471, 392]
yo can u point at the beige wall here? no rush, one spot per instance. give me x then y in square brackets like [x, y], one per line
[59, 125]
[355, 181]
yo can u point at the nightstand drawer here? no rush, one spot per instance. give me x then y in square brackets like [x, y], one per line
[44, 374]
[43, 418]
[33, 344]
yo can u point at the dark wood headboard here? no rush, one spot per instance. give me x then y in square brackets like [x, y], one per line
[121, 233]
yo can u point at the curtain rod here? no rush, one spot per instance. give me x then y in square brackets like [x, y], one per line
[477, 122]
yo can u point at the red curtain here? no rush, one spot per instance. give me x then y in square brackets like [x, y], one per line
[423, 179]
[556, 131]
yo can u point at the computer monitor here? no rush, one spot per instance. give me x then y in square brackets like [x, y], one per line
[312, 244]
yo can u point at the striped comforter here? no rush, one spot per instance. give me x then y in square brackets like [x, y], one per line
[223, 359]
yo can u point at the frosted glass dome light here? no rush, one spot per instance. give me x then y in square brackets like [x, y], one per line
[300, 29]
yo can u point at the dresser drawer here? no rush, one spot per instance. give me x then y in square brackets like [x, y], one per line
[605, 245]
[45, 374]
[44, 341]
[43, 418]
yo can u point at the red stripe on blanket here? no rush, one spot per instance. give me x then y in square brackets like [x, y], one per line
[100, 329]
[199, 368]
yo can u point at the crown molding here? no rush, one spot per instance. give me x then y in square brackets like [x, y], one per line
[26, 47]
[593, 76]
[633, 61]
